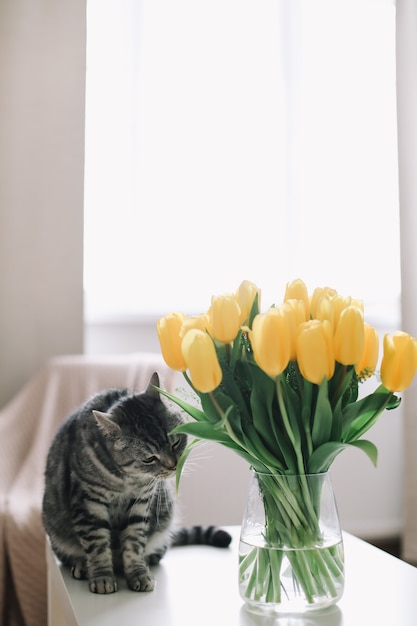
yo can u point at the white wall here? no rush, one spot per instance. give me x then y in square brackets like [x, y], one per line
[42, 84]
[370, 500]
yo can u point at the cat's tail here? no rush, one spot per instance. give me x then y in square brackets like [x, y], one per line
[201, 535]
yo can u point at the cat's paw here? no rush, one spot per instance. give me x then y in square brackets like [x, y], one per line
[78, 570]
[142, 582]
[103, 584]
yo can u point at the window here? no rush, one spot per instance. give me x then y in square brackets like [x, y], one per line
[232, 139]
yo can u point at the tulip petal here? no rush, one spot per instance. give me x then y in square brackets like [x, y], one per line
[349, 338]
[201, 359]
[169, 335]
[225, 317]
[270, 340]
[399, 362]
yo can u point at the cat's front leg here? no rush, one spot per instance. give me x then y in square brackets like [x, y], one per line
[95, 539]
[137, 573]
[101, 578]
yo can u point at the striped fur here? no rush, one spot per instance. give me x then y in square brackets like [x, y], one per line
[201, 535]
[108, 504]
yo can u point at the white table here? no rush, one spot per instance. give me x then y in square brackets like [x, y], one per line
[197, 585]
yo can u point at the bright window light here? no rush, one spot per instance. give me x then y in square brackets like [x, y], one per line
[233, 139]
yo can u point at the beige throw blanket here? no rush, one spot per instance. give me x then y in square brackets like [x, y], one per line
[27, 425]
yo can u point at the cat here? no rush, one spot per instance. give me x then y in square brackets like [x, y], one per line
[108, 503]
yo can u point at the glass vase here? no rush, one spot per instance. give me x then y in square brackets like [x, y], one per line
[291, 557]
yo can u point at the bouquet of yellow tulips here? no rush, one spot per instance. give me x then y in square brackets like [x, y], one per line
[280, 388]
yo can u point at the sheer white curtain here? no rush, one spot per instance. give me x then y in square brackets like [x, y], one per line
[407, 143]
[234, 139]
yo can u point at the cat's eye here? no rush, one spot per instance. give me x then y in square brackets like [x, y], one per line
[149, 460]
[175, 444]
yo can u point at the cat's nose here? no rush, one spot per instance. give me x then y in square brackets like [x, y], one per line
[169, 463]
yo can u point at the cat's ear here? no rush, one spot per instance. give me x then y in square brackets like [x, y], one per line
[150, 391]
[105, 423]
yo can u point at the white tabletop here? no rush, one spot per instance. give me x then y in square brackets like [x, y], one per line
[198, 585]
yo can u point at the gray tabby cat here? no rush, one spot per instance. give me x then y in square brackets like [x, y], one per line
[108, 502]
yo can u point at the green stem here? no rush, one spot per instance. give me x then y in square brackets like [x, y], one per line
[247, 560]
[306, 414]
[279, 497]
[287, 425]
[312, 575]
[297, 448]
[251, 589]
[217, 406]
[273, 593]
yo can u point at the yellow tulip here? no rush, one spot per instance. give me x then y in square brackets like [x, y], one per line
[297, 290]
[349, 337]
[299, 310]
[224, 315]
[365, 367]
[318, 294]
[340, 304]
[399, 361]
[295, 311]
[201, 322]
[324, 309]
[169, 335]
[200, 356]
[270, 340]
[245, 295]
[315, 351]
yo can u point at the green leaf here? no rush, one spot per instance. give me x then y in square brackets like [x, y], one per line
[267, 419]
[291, 405]
[253, 443]
[193, 411]
[343, 386]
[261, 417]
[292, 426]
[210, 410]
[323, 457]
[368, 447]
[202, 430]
[224, 419]
[368, 411]
[262, 398]
[238, 344]
[372, 402]
[207, 431]
[393, 403]
[226, 408]
[323, 417]
[291, 398]
[306, 399]
[336, 434]
[235, 391]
